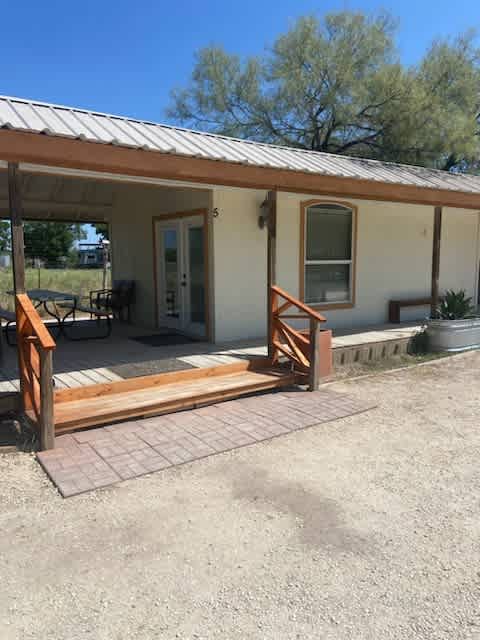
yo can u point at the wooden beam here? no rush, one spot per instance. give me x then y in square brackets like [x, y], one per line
[271, 205]
[17, 146]
[437, 234]
[15, 201]
[47, 425]
[46, 208]
[314, 372]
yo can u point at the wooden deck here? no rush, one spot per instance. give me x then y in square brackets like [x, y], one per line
[79, 364]
[164, 393]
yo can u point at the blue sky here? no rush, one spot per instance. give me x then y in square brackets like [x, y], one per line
[124, 57]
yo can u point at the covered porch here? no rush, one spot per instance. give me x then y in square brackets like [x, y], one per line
[206, 227]
[163, 238]
[163, 360]
[132, 351]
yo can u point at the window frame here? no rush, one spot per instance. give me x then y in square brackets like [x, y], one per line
[304, 206]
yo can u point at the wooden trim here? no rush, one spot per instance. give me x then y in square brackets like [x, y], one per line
[18, 146]
[314, 372]
[301, 287]
[333, 306]
[47, 426]
[206, 244]
[159, 379]
[271, 203]
[288, 329]
[294, 348]
[16, 230]
[297, 303]
[25, 304]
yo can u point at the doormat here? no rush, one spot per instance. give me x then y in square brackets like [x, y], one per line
[149, 368]
[163, 339]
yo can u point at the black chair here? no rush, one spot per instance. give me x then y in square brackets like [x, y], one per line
[117, 299]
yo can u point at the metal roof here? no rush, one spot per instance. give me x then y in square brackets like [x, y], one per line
[68, 122]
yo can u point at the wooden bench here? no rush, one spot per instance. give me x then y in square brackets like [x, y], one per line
[99, 313]
[394, 307]
[10, 317]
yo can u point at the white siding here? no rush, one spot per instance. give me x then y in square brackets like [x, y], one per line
[240, 260]
[459, 250]
[394, 254]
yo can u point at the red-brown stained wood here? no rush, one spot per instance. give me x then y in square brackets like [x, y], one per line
[35, 347]
[271, 267]
[16, 146]
[16, 229]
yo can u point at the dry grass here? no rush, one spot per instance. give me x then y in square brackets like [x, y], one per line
[78, 281]
[379, 366]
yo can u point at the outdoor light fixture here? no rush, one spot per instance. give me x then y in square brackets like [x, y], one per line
[263, 217]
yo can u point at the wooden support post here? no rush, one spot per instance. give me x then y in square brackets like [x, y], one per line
[437, 233]
[15, 203]
[47, 424]
[271, 264]
[314, 373]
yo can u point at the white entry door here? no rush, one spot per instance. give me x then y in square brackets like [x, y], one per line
[182, 274]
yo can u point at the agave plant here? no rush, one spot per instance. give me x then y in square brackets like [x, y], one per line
[455, 305]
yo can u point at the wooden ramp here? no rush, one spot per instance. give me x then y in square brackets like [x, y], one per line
[164, 393]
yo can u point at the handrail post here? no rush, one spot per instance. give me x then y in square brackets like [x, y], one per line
[47, 425]
[314, 372]
[273, 309]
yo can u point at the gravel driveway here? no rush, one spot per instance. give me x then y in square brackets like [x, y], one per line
[367, 527]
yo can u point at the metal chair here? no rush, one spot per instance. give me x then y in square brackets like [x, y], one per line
[117, 299]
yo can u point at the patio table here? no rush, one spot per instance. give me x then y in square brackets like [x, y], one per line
[48, 300]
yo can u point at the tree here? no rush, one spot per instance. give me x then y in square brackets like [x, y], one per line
[53, 242]
[4, 235]
[102, 230]
[338, 86]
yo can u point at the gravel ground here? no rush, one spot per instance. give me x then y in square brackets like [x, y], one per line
[366, 527]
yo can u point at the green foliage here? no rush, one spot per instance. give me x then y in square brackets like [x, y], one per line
[338, 85]
[418, 344]
[53, 242]
[102, 230]
[455, 305]
[4, 235]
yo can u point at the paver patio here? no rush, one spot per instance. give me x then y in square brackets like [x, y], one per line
[96, 458]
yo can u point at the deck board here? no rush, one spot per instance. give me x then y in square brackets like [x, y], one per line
[77, 364]
[169, 397]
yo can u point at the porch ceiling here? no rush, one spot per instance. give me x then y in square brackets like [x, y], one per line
[51, 196]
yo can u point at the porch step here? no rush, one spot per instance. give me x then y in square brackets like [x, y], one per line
[164, 397]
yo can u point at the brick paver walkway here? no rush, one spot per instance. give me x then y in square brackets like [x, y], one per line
[95, 458]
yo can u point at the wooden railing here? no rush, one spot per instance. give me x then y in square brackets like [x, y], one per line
[301, 347]
[35, 347]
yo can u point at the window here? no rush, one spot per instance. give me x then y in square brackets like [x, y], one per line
[328, 252]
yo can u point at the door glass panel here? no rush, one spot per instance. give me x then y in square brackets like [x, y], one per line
[170, 258]
[196, 263]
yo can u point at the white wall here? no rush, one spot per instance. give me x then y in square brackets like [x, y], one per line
[240, 263]
[132, 237]
[394, 256]
[459, 248]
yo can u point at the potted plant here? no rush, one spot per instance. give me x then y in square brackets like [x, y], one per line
[456, 326]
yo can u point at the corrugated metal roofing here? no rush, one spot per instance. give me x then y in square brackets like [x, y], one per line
[55, 120]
